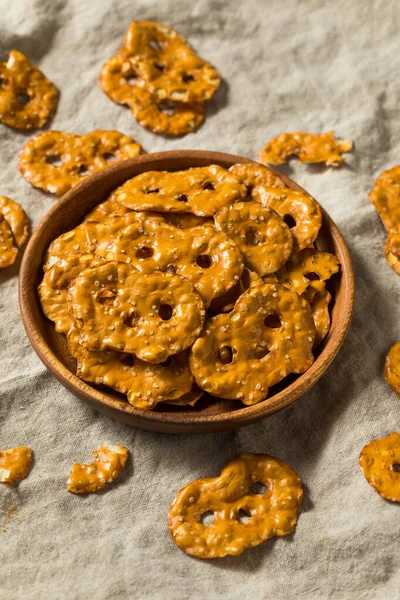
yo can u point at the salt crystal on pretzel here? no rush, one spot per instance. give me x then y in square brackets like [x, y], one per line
[109, 462]
[307, 147]
[380, 464]
[28, 100]
[306, 266]
[255, 498]
[15, 464]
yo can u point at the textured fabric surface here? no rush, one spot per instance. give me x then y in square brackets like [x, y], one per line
[310, 65]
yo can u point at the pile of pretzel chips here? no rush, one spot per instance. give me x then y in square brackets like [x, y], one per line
[203, 280]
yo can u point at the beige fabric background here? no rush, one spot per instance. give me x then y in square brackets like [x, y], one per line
[313, 65]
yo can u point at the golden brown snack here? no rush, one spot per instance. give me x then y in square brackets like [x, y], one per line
[256, 497]
[144, 384]
[118, 79]
[106, 209]
[199, 190]
[307, 147]
[224, 304]
[385, 196]
[263, 238]
[8, 249]
[53, 290]
[306, 266]
[299, 211]
[254, 175]
[15, 464]
[16, 217]
[392, 368]
[153, 316]
[188, 399]
[392, 250]
[108, 463]
[268, 335]
[380, 464]
[55, 161]
[28, 100]
[319, 300]
[186, 220]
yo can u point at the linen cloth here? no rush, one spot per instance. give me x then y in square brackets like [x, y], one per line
[287, 65]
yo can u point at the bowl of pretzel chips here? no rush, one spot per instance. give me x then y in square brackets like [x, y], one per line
[187, 291]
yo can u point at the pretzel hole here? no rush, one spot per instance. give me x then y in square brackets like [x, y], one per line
[187, 77]
[252, 237]
[396, 467]
[131, 79]
[155, 44]
[144, 252]
[159, 67]
[109, 156]
[166, 108]
[166, 363]
[312, 276]
[207, 518]
[23, 99]
[131, 320]
[208, 185]
[83, 170]
[243, 516]
[290, 222]
[106, 297]
[170, 269]
[128, 360]
[165, 312]
[272, 321]
[151, 191]
[54, 160]
[204, 261]
[260, 352]
[182, 198]
[225, 355]
[258, 488]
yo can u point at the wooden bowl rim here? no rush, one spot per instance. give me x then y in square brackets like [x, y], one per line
[150, 419]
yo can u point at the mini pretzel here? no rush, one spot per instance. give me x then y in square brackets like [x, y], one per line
[256, 497]
[28, 100]
[307, 147]
[268, 335]
[153, 316]
[108, 463]
[8, 250]
[144, 384]
[15, 464]
[319, 301]
[392, 250]
[378, 460]
[308, 265]
[392, 368]
[254, 175]
[299, 211]
[199, 190]
[385, 196]
[53, 290]
[264, 239]
[78, 155]
[14, 229]
[118, 79]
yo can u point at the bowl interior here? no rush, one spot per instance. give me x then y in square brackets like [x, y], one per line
[209, 414]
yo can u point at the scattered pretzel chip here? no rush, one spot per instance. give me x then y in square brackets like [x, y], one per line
[392, 250]
[268, 335]
[264, 239]
[307, 147]
[15, 464]
[199, 190]
[308, 265]
[56, 161]
[256, 497]
[108, 463]
[16, 217]
[8, 249]
[28, 100]
[299, 211]
[392, 368]
[380, 464]
[117, 308]
[254, 175]
[319, 302]
[385, 196]
[144, 384]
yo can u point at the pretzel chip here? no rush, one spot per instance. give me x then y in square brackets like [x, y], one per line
[392, 368]
[264, 239]
[380, 464]
[226, 303]
[15, 464]
[109, 462]
[104, 210]
[117, 308]
[307, 147]
[8, 249]
[199, 190]
[392, 250]
[28, 100]
[385, 196]
[186, 220]
[16, 217]
[144, 384]
[254, 175]
[319, 300]
[56, 161]
[268, 335]
[308, 266]
[255, 498]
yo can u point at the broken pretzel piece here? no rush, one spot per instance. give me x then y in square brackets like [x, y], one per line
[307, 147]
[15, 464]
[380, 464]
[108, 463]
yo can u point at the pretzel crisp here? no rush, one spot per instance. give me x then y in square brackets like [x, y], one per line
[144, 384]
[392, 368]
[392, 250]
[78, 156]
[226, 303]
[307, 147]
[14, 230]
[254, 175]
[385, 196]
[199, 190]
[186, 220]
[108, 463]
[264, 239]
[8, 250]
[268, 335]
[106, 209]
[118, 79]
[319, 300]
[117, 308]
[255, 498]
[380, 464]
[308, 266]
[28, 100]
[15, 464]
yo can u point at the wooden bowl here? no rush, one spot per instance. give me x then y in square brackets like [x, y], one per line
[209, 414]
